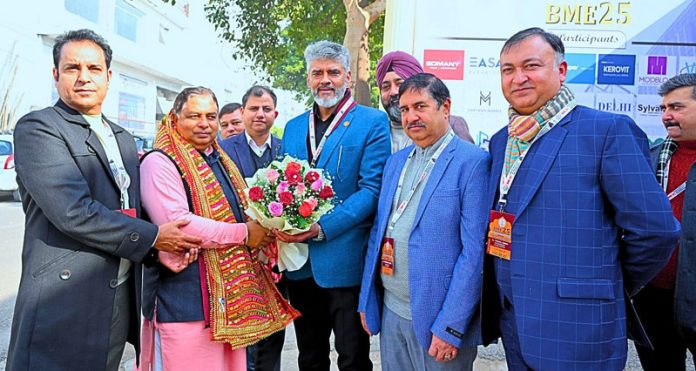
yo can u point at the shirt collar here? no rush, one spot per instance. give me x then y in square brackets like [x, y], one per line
[430, 150]
[252, 144]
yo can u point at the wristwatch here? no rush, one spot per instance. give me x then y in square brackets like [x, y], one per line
[320, 237]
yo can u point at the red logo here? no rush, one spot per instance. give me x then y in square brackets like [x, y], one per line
[445, 64]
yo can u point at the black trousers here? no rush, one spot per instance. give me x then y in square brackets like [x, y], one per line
[120, 323]
[324, 310]
[266, 354]
[656, 309]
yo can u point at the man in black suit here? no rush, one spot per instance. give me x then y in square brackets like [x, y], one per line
[79, 295]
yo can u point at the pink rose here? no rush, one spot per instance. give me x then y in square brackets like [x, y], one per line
[300, 190]
[282, 187]
[272, 175]
[312, 201]
[275, 208]
[317, 185]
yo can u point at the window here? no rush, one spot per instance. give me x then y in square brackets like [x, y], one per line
[131, 111]
[126, 20]
[87, 9]
[5, 148]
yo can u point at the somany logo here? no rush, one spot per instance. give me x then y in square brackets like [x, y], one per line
[449, 64]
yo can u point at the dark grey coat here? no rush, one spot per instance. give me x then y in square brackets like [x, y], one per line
[72, 242]
[685, 286]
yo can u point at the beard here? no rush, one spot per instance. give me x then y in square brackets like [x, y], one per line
[392, 108]
[329, 102]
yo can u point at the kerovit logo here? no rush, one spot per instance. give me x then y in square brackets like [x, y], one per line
[616, 69]
[581, 68]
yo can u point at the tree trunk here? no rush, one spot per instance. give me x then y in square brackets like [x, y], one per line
[357, 25]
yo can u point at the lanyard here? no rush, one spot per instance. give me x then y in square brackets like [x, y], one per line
[677, 191]
[506, 181]
[113, 154]
[316, 149]
[399, 212]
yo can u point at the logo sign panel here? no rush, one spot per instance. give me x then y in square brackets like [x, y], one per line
[582, 68]
[445, 64]
[616, 69]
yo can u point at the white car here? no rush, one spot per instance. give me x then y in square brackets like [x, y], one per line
[8, 177]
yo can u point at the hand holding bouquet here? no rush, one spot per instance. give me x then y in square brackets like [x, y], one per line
[289, 196]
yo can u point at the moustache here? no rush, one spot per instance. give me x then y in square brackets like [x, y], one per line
[418, 124]
[670, 123]
[333, 89]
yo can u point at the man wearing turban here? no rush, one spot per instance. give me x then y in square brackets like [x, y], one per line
[392, 70]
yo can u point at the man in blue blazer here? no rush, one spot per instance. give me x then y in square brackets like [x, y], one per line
[588, 219]
[422, 280]
[251, 150]
[256, 147]
[351, 143]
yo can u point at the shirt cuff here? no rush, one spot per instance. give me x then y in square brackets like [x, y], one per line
[320, 236]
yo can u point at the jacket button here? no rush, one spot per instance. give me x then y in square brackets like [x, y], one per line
[64, 274]
[113, 283]
[134, 236]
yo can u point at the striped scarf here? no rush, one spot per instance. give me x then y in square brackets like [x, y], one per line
[243, 303]
[523, 129]
[668, 148]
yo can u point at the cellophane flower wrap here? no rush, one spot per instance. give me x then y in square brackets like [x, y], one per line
[290, 196]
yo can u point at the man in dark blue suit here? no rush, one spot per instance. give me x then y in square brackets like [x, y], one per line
[578, 218]
[252, 150]
[256, 147]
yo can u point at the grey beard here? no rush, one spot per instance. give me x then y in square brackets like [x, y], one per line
[329, 102]
[394, 114]
[393, 110]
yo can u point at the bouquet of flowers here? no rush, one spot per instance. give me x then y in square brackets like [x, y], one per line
[289, 196]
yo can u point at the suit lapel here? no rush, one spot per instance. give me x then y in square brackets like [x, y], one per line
[296, 136]
[126, 145]
[389, 188]
[538, 163]
[497, 150]
[93, 143]
[434, 179]
[275, 147]
[334, 139]
[241, 148]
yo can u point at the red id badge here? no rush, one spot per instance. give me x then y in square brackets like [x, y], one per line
[500, 234]
[388, 256]
[130, 212]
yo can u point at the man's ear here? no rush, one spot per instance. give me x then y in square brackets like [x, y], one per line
[446, 106]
